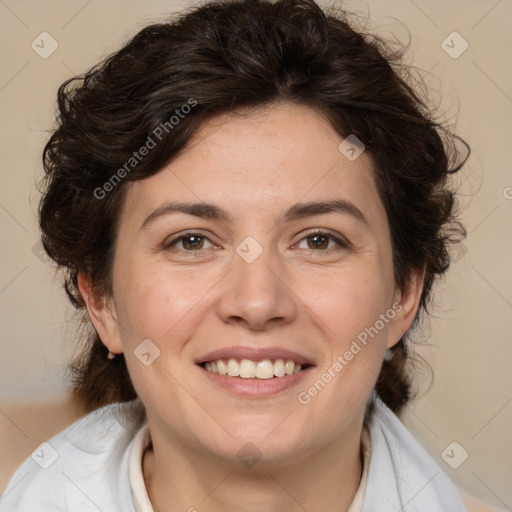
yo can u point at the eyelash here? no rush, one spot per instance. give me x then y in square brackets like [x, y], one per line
[340, 242]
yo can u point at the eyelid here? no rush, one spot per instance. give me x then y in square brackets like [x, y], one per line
[170, 241]
[336, 237]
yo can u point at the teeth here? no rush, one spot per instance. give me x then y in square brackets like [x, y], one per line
[279, 368]
[221, 367]
[247, 369]
[233, 368]
[265, 369]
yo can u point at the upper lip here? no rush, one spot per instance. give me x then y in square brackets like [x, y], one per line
[254, 354]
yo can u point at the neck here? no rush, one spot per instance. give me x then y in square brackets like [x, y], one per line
[183, 479]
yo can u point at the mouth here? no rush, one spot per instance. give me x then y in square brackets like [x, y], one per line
[254, 372]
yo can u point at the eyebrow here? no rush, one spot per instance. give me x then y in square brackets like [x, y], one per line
[296, 212]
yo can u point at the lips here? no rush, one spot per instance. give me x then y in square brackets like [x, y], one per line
[255, 373]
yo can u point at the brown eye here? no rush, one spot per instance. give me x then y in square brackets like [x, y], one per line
[319, 241]
[190, 242]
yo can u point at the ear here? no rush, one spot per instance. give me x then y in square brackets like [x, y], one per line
[102, 314]
[406, 305]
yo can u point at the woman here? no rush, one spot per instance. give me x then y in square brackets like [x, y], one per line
[251, 204]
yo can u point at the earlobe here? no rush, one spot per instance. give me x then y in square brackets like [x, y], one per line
[102, 315]
[408, 300]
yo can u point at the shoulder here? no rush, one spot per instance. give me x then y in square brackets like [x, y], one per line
[401, 471]
[404, 465]
[79, 467]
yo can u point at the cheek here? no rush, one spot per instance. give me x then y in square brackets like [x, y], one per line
[153, 303]
[350, 316]
[350, 301]
[162, 308]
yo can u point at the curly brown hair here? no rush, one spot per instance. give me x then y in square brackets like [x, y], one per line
[221, 57]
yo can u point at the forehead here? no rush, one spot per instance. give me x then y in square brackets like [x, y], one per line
[257, 162]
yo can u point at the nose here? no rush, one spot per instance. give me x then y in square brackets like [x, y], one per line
[258, 295]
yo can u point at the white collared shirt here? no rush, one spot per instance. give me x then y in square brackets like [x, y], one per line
[96, 464]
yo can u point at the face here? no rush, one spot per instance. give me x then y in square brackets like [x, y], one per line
[290, 262]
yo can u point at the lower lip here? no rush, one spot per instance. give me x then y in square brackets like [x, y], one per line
[256, 387]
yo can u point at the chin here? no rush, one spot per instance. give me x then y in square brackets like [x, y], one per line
[269, 445]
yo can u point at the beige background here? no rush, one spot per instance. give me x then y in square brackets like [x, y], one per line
[469, 338]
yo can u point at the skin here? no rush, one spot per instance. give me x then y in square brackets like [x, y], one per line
[295, 295]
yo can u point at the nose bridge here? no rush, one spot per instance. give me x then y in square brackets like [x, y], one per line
[253, 264]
